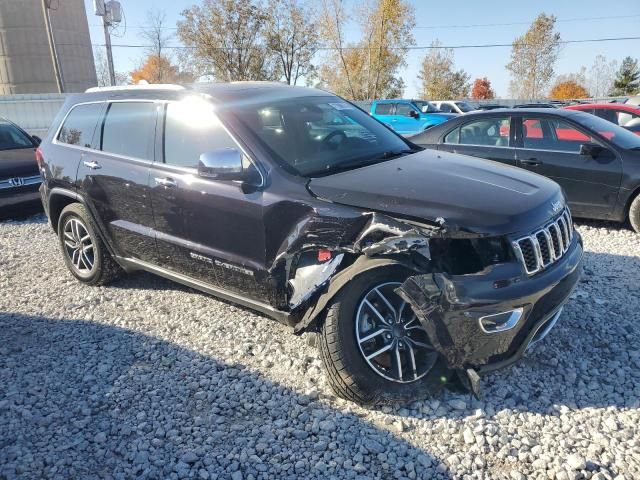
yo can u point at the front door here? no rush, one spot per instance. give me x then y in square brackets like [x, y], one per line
[488, 137]
[551, 147]
[207, 229]
[115, 176]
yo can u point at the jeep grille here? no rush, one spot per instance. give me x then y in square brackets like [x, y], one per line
[546, 246]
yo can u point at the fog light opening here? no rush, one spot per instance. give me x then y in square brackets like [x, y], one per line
[500, 322]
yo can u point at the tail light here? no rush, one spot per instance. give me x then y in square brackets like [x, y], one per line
[40, 160]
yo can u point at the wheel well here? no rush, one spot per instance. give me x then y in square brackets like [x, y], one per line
[57, 203]
[630, 200]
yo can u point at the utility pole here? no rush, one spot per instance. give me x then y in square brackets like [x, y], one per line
[46, 5]
[107, 42]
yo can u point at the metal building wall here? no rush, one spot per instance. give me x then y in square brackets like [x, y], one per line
[25, 59]
[33, 112]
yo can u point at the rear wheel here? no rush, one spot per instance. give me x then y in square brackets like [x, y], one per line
[634, 214]
[83, 251]
[373, 347]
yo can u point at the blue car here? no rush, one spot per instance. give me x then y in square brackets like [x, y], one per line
[408, 117]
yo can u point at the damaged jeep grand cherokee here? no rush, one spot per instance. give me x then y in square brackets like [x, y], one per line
[410, 266]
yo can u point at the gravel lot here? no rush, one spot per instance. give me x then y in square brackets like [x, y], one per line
[147, 379]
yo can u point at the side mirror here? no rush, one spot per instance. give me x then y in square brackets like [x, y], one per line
[414, 114]
[36, 139]
[590, 150]
[221, 164]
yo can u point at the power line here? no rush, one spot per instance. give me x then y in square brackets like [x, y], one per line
[472, 25]
[429, 47]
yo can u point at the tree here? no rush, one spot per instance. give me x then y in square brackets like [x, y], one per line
[292, 36]
[627, 80]
[601, 76]
[102, 70]
[155, 32]
[482, 90]
[368, 68]
[160, 70]
[533, 58]
[567, 90]
[228, 39]
[440, 80]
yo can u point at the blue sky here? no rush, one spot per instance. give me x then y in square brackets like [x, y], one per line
[450, 22]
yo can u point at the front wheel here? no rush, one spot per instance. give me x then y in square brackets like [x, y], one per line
[373, 346]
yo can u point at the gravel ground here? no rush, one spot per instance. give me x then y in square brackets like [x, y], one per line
[147, 379]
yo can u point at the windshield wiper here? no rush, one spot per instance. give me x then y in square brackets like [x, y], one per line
[341, 167]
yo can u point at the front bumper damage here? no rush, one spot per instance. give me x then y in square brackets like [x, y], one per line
[449, 306]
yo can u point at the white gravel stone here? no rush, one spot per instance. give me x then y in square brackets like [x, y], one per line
[145, 378]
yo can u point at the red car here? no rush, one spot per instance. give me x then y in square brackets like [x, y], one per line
[627, 116]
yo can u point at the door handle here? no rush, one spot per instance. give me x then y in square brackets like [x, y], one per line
[93, 165]
[532, 162]
[166, 182]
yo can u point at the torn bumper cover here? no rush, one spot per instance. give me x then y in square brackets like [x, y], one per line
[452, 308]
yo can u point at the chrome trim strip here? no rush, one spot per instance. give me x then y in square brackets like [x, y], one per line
[511, 322]
[205, 287]
[546, 327]
[34, 180]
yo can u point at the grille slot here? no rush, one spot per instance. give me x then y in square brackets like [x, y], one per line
[547, 245]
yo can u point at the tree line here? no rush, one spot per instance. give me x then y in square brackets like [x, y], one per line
[296, 41]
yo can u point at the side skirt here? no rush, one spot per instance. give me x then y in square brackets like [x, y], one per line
[131, 264]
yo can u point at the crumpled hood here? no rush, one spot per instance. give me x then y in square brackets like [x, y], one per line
[471, 194]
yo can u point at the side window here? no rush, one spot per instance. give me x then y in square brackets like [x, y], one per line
[384, 108]
[452, 137]
[552, 134]
[80, 125]
[492, 132]
[607, 114]
[628, 119]
[129, 129]
[403, 109]
[446, 108]
[185, 139]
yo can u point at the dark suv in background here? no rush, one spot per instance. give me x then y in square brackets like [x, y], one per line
[410, 265]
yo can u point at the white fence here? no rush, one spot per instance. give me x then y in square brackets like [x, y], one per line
[33, 112]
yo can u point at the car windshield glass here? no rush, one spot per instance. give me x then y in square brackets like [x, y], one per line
[426, 107]
[464, 106]
[12, 138]
[315, 136]
[617, 135]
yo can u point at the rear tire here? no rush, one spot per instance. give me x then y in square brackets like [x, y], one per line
[342, 349]
[634, 214]
[84, 253]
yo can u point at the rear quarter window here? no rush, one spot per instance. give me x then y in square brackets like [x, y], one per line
[80, 124]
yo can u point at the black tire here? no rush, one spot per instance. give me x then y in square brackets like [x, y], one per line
[348, 374]
[103, 268]
[634, 214]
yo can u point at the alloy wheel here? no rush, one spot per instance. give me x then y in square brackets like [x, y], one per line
[390, 337]
[78, 245]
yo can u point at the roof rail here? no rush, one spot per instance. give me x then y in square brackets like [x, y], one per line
[150, 86]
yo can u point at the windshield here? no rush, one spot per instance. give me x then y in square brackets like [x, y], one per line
[619, 136]
[426, 107]
[464, 107]
[314, 136]
[11, 138]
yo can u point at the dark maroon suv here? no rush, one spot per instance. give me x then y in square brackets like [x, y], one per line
[411, 266]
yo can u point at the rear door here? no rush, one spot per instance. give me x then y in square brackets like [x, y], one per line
[487, 137]
[210, 230]
[115, 177]
[550, 146]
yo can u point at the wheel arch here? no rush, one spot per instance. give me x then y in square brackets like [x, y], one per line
[312, 317]
[59, 198]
